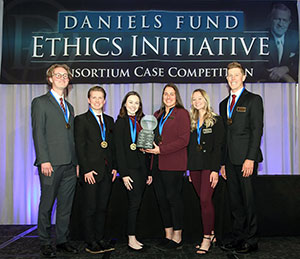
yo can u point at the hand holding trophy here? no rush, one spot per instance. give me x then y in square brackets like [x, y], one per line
[146, 135]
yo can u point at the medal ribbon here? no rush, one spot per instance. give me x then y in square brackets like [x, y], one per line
[101, 130]
[66, 108]
[199, 130]
[132, 130]
[236, 100]
[162, 121]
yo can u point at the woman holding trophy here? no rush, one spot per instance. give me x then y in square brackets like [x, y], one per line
[170, 163]
[131, 161]
[204, 160]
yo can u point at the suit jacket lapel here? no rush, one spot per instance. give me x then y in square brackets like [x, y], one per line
[224, 108]
[56, 105]
[93, 121]
[239, 102]
[106, 124]
[273, 49]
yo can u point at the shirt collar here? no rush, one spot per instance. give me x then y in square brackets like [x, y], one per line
[237, 93]
[98, 114]
[56, 95]
[281, 39]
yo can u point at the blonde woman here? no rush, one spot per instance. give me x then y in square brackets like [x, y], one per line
[204, 160]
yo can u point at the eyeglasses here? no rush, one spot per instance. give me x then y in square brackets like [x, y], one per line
[61, 75]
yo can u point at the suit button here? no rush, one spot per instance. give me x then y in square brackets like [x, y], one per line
[204, 150]
[203, 142]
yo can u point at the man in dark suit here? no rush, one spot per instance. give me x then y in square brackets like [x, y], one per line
[52, 129]
[95, 152]
[282, 65]
[242, 114]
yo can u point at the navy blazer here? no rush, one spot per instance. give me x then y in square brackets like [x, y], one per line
[243, 136]
[212, 140]
[127, 159]
[91, 156]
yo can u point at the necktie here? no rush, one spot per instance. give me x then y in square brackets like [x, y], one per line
[280, 49]
[62, 105]
[100, 119]
[232, 102]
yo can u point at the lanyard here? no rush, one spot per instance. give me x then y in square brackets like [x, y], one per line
[199, 130]
[162, 121]
[132, 130]
[236, 100]
[98, 121]
[66, 108]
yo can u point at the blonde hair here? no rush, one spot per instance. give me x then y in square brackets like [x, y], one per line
[236, 65]
[209, 117]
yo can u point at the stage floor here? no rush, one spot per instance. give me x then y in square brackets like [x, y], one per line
[21, 241]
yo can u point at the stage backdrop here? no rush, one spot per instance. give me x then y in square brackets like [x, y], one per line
[187, 41]
[19, 183]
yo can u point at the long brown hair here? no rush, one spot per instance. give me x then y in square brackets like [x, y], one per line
[123, 110]
[178, 103]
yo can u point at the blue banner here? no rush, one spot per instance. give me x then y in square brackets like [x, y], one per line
[151, 46]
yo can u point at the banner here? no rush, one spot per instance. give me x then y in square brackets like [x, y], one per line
[116, 46]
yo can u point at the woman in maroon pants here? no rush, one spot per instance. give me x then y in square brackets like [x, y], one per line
[204, 159]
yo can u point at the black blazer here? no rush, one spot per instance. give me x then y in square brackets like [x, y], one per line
[127, 159]
[243, 136]
[91, 156]
[212, 140]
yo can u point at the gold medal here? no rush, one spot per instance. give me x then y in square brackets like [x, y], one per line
[133, 146]
[229, 121]
[104, 144]
[68, 125]
[199, 147]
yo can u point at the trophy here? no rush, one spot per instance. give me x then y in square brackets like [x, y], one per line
[146, 135]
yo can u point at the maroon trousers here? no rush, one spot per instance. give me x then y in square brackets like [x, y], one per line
[200, 180]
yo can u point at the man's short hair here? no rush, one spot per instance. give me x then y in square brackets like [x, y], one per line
[49, 72]
[236, 65]
[281, 7]
[96, 88]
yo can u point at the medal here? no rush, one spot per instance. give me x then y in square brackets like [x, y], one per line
[104, 144]
[133, 134]
[229, 121]
[68, 125]
[133, 146]
[159, 138]
[199, 147]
